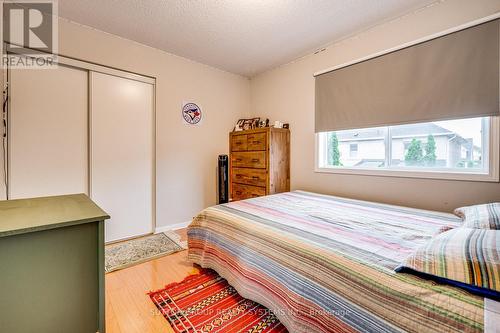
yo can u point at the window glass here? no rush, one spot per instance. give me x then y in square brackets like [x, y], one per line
[454, 144]
[441, 145]
[356, 148]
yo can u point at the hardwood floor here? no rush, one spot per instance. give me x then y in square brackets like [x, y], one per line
[128, 307]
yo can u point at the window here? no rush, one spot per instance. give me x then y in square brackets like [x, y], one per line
[459, 148]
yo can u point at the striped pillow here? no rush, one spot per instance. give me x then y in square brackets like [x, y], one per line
[464, 257]
[485, 216]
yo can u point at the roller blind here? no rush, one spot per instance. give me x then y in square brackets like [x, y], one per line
[454, 76]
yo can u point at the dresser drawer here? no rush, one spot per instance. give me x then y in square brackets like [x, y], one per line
[255, 177]
[241, 192]
[238, 143]
[256, 141]
[251, 159]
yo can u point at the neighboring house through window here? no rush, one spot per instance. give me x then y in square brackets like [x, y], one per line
[455, 146]
[353, 150]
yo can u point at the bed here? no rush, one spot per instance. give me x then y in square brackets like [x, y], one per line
[326, 264]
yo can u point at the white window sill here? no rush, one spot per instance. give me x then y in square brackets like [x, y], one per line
[425, 174]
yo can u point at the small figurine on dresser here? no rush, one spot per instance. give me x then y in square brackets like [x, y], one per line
[264, 123]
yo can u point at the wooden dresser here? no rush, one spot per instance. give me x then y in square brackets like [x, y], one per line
[259, 162]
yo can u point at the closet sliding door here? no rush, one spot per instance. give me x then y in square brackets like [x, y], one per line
[122, 153]
[48, 132]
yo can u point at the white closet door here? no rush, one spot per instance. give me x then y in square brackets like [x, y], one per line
[122, 154]
[48, 134]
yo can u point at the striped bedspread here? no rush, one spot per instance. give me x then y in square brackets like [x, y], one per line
[325, 264]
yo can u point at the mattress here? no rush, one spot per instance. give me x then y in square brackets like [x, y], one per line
[326, 264]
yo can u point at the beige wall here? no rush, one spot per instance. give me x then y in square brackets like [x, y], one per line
[186, 155]
[287, 94]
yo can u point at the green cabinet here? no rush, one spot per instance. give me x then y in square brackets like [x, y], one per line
[52, 265]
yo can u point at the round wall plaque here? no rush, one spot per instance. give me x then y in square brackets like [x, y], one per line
[191, 113]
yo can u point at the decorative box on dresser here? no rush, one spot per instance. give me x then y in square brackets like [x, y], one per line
[259, 162]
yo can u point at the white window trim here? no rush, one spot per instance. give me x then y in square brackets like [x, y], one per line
[492, 159]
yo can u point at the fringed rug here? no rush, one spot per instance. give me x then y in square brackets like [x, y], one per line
[205, 302]
[136, 251]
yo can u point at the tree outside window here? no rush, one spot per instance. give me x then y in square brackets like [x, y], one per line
[430, 151]
[414, 154]
[333, 150]
[419, 154]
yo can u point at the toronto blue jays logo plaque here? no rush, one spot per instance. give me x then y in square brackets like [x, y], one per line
[191, 113]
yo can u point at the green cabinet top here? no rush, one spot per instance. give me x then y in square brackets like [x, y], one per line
[30, 215]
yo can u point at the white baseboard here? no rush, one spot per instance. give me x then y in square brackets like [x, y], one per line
[172, 227]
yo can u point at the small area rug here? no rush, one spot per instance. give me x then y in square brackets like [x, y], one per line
[205, 302]
[135, 251]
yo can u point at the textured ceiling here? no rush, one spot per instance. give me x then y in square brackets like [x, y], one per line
[245, 37]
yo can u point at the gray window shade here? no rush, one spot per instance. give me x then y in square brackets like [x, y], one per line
[454, 76]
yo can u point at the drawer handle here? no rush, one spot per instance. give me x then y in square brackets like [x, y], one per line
[255, 160]
[256, 142]
[238, 143]
[238, 192]
[239, 176]
[239, 160]
[255, 177]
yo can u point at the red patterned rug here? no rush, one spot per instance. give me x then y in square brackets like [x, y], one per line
[205, 302]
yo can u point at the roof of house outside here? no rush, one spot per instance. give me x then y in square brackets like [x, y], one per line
[402, 130]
